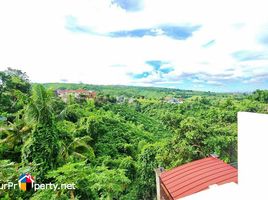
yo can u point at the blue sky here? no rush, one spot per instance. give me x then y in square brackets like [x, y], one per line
[164, 43]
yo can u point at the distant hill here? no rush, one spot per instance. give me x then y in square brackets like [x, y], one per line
[133, 91]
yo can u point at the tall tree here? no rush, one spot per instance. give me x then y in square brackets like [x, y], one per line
[14, 90]
[42, 147]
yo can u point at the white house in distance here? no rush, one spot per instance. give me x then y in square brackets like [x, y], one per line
[173, 100]
[252, 174]
[81, 93]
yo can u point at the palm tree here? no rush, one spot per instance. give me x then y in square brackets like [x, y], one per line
[76, 148]
[42, 147]
[40, 109]
[15, 133]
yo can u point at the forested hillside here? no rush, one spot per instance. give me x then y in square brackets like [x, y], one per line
[109, 148]
[132, 91]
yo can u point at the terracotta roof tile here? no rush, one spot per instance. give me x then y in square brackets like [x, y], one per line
[196, 176]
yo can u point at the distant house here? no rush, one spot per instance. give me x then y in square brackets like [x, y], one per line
[131, 100]
[81, 93]
[173, 100]
[193, 177]
[121, 99]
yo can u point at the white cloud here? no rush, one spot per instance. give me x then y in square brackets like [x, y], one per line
[34, 38]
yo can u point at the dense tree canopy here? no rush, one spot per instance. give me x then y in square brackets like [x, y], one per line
[14, 91]
[109, 148]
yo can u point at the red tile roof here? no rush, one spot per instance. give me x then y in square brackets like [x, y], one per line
[196, 176]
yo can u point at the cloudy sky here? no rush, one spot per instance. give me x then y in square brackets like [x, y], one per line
[188, 44]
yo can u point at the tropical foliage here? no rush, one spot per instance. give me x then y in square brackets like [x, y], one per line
[109, 148]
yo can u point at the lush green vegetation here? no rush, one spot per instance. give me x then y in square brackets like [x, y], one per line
[132, 91]
[110, 149]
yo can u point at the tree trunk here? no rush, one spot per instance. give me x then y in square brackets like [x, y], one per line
[72, 194]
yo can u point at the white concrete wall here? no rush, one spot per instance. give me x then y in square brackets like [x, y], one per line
[253, 155]
[252, 163]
